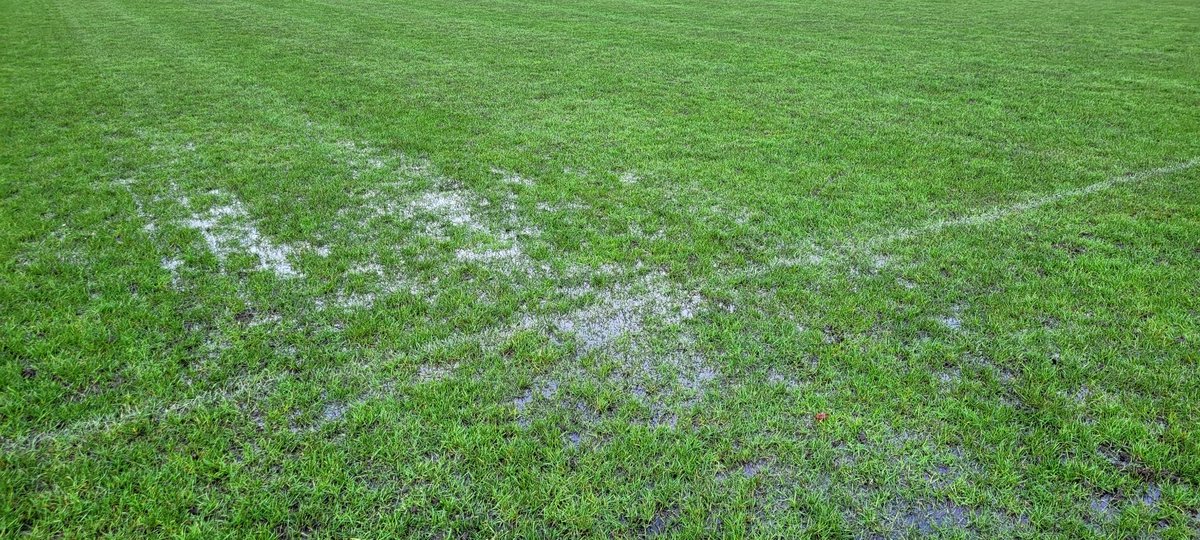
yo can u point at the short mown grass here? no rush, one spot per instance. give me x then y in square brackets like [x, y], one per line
[590, 269]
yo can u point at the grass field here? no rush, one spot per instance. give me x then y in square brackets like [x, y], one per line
[615, 268]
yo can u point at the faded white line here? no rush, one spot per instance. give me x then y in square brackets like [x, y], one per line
[988, 216]
[109, 422]
[239, 387]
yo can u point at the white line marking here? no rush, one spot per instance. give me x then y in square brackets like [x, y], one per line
[237, 388]
[103, 423]
[993, 214]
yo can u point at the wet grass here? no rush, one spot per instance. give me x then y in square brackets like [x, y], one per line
[561, 269]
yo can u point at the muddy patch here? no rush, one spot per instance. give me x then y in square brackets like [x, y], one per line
[1103, 507]
[930, 517]
[1152, 495]
[626, 309]
[662, 522]
[748, 469]
[627, 337]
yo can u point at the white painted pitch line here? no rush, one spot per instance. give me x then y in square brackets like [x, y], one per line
[1001, 212]
[234, 389]
[991, 215]
[109, 422]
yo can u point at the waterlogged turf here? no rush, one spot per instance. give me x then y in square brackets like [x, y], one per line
[558, 269]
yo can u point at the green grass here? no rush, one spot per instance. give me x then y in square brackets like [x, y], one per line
[276, 268]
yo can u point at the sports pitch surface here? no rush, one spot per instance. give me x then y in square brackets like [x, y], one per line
[443, 269]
